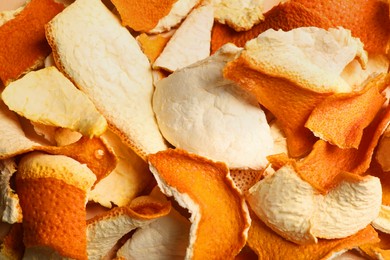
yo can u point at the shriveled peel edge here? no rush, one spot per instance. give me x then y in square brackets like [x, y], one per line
[185, 201]
[382, 222]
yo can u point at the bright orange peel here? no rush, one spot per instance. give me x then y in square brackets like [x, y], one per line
[218, 213]
[267, 243]
[341, 118]
[143, 15]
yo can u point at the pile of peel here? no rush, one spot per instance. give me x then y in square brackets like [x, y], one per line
[195, 129]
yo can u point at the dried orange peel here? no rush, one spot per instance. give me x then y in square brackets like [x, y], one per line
[25, 49]
[46, 96]
[143, 15]
[12, 246]
[264, 242]
[172, 240]
[378, 250]
[325, 162]
[190, 42]
[44, 184]
[363, 18]
[301, 215]
[273, 68]
[95, 152]
[352, 111]
[130, 176]
[120, 86]
[104, 230]
[207, 191]
[152, 45]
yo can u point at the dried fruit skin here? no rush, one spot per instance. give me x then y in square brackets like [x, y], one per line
[23, 43]
[202, 186]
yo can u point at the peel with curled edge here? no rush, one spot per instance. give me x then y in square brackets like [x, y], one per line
[219, 215]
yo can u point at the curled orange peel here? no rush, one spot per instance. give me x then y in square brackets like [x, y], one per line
[285, 16]
[341, 118]
[218, 213]
[106, 229]
[264, 242]
[289, 102]
[326, 161]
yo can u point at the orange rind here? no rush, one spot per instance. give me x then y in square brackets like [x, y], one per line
[171, 243]
[285, 16]
[207, 191]
[106, 229]
[212, 121]
[301, 215]
[268, 245]
[378, 250]
[143, 15]
[52, 190]
[24, 46]
[325, 162]
[130, 176]
[120, 86]
[363, 18]
[48, 97]
[94, 152]
[290, 86]
[190, 42]
[239, 15]
[352, 111]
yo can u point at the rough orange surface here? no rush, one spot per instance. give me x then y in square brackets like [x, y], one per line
[53, 215]
[142, 15]
[220, 233]
[382, 247]
[23, 43]
[268, 245]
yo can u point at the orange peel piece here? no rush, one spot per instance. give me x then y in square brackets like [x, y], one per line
[25, 49]
[325, 162]
[341, 118]
[53, 191]
[206, 190]
[264, 242]
[130, 176]
[143, 15]
[46, 96]
[170, 243]
[363, 18]
[152, 45]
[291, 88]
[285, 16]
[378, 250]
[104, 230]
